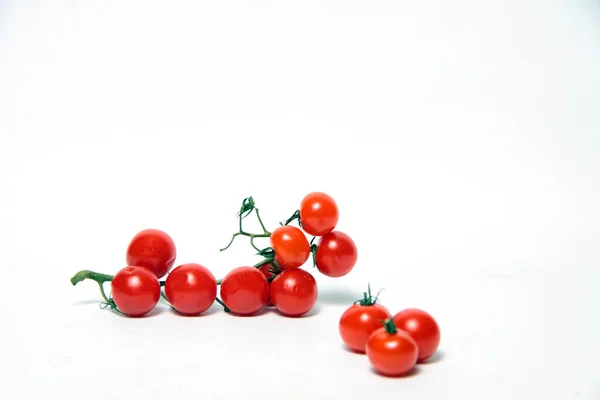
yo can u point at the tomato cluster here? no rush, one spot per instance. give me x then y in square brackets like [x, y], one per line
[394, 348]
[393, 344]
[277, 280]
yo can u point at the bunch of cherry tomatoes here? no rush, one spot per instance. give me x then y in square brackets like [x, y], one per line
[393, 345]
[277, 280]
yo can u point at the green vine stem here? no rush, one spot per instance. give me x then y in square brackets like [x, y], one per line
[246, 209]
[97, 277]
[295, 215]
[313, 251]
[100, 279]
[223, 304]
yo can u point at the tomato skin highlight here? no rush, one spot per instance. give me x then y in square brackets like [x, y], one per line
[391, 354]
[245, 290]
[422, 327]
[191, 288]
[336, 254]
[291, 246]
[358, 323]
[153, 249]
[135, 291]
[318, 213]
[294, 292]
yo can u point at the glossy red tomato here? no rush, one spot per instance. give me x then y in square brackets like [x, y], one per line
[291, 246]
[135, 291]
[245, 290]
[421, 326]
[391, 352]
[294, 292]
[336, 254]
[266, 270]
[191, 288]
[358, 322]
[318, 213]
[153, 249]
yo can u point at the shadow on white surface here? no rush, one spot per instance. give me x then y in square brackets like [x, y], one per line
[156, 311]
[314, 311]
[437, 357]
[341, 296]
[413, 372]
[87, 302]
[349, 350]
[210, 311]
[262, 312]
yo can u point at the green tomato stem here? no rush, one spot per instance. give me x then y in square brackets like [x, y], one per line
[223, 304]
[390, 327]
[97, 277]
[295, 215]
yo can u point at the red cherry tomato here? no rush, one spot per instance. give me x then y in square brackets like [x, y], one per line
[245, 290]
[191, 289]
[391, 352]
[294, 292]
[153, 249]
[336, 254]
[266, 270]
[291, 246]
[358, 322]
[421, 326]
[135, 291]
[318, 214]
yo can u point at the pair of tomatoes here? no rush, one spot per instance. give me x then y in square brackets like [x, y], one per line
[246, 290]
[336, 252]
[136, 289]
[393, 344]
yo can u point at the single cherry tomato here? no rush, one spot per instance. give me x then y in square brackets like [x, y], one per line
[153, 249]
[191, 288]
[336, 254]
[291, 246]
[421, 326]
[266, 269]
[392, 352]
[294, 292]
[245, 290]
[135, 291]
[318, 213]
[360, 320]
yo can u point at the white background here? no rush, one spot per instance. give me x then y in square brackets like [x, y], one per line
[460, 140]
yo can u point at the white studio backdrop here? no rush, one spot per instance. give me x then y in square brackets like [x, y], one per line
[460, 140]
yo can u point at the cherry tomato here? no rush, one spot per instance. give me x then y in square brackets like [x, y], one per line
[153, 249]
[294, 292]
[358, 322]
[245, 290]
[318, 213]
[421, 326]
[266, 270]
[391, 352]
[291, 246]
[336, 254]
[135, 291]
[191, 289]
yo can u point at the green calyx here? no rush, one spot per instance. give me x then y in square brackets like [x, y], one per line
[368, 299]
[390, 327]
